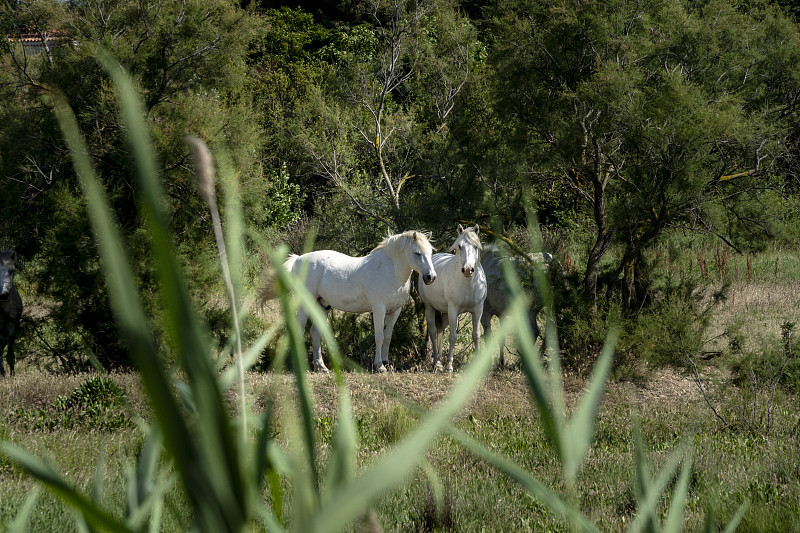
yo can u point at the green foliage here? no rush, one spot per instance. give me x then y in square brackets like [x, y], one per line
[776, 363]
[98, 403]
[188, 62]
[649, 112]
[282, 205]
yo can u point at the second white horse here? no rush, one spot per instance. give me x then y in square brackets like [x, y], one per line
[461, 288]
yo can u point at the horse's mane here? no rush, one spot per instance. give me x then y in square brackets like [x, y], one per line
[406, 238]
[471, 236]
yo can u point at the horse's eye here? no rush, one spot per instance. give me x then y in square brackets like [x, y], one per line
[418, 254]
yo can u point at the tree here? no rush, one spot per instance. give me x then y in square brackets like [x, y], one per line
[652, 112]
[373, 124]
[188, 60]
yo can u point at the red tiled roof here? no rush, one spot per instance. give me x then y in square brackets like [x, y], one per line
[26, 38]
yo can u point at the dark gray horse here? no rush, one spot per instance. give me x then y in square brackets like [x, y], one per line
[10, 308]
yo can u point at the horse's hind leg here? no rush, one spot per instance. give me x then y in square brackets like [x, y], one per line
[486, 322]
[316, 347]
[388, 327]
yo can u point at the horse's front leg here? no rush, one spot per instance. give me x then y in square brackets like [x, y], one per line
[2, 348]
[388, 327]
[378, 321]
[11, 359]
[452, 314]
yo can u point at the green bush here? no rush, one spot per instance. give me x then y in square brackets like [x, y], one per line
[777, 363]
[97, 403]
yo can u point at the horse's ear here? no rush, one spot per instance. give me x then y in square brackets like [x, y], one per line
[13, 254]
[460, 229]
[477, 229]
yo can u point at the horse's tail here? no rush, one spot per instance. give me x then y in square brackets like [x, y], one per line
[269, 288]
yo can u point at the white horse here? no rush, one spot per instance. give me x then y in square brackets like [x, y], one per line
[497, 296]
[461, 289]
[378, 282]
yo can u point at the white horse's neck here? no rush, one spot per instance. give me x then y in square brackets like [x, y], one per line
[396, 252]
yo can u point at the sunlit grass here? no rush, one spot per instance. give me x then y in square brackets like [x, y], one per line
[729, 465]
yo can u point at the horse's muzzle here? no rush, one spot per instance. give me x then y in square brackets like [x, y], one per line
[467, 272]
[429, 279]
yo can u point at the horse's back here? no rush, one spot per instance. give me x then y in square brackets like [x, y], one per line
[352, 284]
[328, 264]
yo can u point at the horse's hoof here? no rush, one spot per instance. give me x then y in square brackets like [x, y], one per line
[321, 368]
[381, 369]
[450, 368]
[437, 367]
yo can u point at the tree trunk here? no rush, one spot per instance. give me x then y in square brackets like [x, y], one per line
[601, 243]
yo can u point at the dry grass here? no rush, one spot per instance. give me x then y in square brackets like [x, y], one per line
[757, 310]
[503, 391]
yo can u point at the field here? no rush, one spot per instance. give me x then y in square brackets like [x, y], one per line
[753, 458]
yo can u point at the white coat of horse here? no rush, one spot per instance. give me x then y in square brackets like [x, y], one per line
[379, 282]
[461, 289]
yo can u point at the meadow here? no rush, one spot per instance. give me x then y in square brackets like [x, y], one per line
[753, 459]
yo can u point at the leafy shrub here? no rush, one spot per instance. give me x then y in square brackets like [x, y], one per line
[97, 403]
[777, 363]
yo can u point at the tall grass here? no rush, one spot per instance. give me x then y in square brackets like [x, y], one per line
[234, 479]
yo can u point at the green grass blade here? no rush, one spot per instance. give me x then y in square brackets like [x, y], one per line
[391, 469]
[733, 524]
[221, 495]
[23, 518]
[580, 430]
[94, 515]
[530, 484]
[130, 315]
[270, 462]
[230, 376]
[552, 419]
[650, 491]
[677, 507]
[341, 464]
